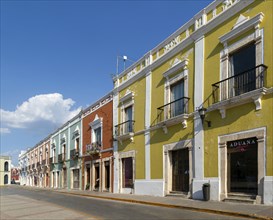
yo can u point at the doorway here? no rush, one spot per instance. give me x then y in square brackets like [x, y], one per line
[64, 178]
[6, 179]
[76, 178]
[243, 166]
[107, 175]
[97, 176]
[87, 186]
[47, 181]
[180, 170]
[242, 67]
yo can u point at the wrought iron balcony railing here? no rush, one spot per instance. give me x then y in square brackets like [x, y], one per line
[61, 157]
[74, 154]
[93, 148]
[124, 128]
[173, 109]
[239, 84]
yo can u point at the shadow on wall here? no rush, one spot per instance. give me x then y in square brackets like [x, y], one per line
[198, 195]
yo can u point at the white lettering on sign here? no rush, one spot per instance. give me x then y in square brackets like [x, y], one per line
[241, 143]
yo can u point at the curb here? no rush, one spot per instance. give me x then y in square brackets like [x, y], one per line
[212, 211]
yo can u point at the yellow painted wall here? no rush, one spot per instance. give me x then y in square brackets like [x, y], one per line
[243, 117]
[138, 88]
[139, 146]
[176, 132]
[158, 82]
[159, 138]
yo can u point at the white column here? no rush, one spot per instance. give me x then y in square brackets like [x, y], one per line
[147, 126]
[115, 143]
[198, 150]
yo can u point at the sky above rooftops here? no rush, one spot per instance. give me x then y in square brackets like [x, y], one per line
[58, 57]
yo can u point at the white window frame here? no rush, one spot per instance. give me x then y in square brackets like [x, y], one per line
[95, 124]
[123, 155]
[63, 146]
[125, 102]
[177, 72]
[238, 30]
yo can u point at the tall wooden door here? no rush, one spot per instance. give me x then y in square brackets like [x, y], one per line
[180, 170]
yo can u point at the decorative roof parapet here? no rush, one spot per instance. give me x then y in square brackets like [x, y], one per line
[190, 30]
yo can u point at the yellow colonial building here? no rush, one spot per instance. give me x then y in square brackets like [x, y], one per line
[197, 109]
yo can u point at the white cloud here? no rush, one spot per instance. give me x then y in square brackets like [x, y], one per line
[41, 111]
[4, 130]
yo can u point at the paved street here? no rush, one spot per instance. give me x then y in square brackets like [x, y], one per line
[25, 203]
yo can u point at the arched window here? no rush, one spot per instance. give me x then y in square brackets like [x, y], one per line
[6, 166]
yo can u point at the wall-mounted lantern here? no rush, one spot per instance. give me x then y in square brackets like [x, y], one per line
[202, 113]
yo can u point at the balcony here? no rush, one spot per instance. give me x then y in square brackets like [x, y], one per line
[125, 130]
[239, 89]
[74, 154]
[38, 165]
[93, 148]
[61, 158]
[173, 113]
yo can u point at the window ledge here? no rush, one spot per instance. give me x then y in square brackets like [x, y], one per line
[173, 121]
[252, 96]
[126, 136]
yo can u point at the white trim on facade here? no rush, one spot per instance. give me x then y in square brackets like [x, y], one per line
[147, 125]
[198, 150]
[261, 135]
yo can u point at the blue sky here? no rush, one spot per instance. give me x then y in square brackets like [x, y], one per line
[58, 56]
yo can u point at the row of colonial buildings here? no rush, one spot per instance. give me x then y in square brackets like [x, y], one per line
[195, 109]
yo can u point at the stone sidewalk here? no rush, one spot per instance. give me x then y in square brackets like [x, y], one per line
[224, 208]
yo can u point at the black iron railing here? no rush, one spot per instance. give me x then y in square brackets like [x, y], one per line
[74, 154]
[173, 109]
[124, 128]
[238, 84]
[61, 157]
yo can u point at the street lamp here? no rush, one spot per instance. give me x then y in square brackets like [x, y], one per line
[202, 113]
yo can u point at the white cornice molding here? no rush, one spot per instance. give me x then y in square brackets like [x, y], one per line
[240, 29]
[133, 79]
[180, 65]
[128, 96]
[98, 104]
[96, 122]
[252, 96]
